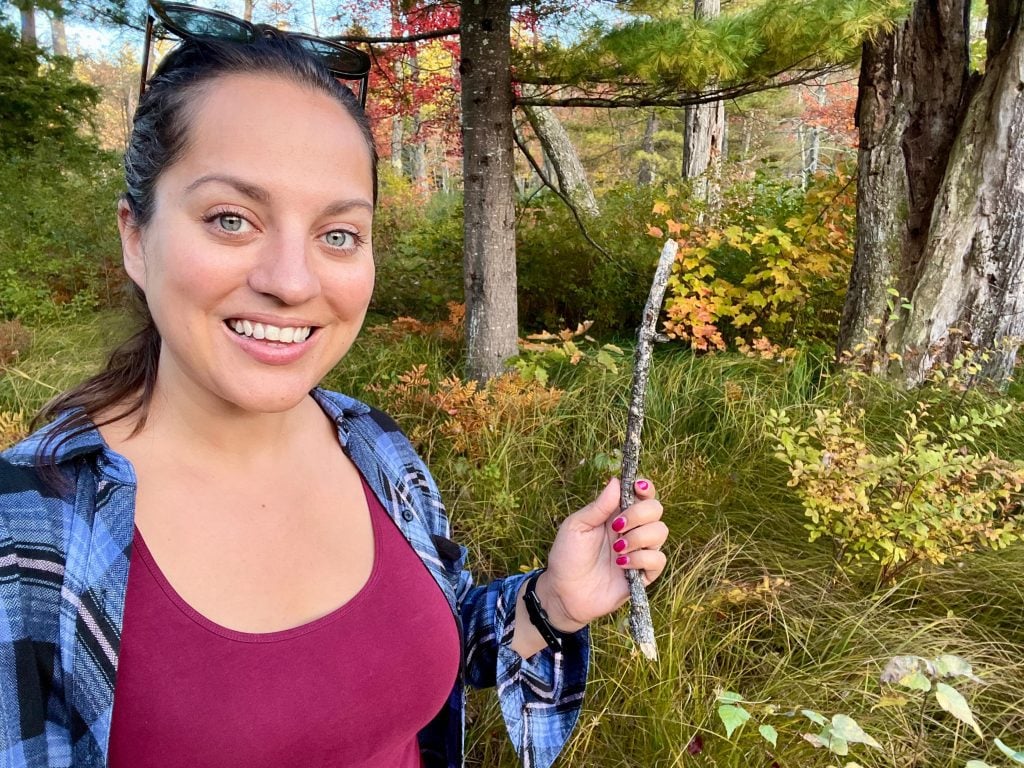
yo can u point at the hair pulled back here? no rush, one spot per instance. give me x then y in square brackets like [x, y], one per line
[160, 137]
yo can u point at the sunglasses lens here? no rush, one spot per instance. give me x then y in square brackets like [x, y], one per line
[340, 60]
[199, 24]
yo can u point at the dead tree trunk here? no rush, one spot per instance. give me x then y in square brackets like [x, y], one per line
[559, 149]
[702, 135]
[940, 206]
[489, 255]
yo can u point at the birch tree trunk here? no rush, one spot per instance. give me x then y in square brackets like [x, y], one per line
[559, 149]
[489, 256]
[702, 134]
[940, 200]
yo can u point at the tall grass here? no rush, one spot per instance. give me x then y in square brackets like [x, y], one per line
[747, 604]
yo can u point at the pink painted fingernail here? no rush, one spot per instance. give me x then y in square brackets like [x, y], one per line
[618, 523]
[622, 560]
[619, 545]
[642, 485]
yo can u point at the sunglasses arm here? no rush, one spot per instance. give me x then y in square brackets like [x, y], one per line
[145, 54]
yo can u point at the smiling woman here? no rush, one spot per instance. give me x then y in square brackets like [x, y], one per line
[206, 559]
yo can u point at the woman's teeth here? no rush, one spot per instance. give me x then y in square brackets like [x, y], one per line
[270, 332]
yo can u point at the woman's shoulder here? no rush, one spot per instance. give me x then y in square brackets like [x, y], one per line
[36, 472]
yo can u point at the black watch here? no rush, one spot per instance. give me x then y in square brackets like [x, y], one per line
[539, 617]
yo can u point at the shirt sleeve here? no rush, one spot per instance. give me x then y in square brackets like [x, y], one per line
[23, 685]
[540, 697]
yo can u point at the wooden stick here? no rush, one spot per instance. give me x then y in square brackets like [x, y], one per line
[640, 625]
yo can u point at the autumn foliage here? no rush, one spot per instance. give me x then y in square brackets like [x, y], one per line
[753, 281]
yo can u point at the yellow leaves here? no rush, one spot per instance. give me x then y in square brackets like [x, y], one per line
[926, 500]
[660, 208]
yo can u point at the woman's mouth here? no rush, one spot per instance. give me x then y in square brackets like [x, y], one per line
[268, 332]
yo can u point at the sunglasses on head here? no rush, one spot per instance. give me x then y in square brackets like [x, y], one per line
[188, 22]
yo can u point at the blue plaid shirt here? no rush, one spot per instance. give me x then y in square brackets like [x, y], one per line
[64, 569]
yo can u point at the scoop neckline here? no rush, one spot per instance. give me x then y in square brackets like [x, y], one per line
[139, 545]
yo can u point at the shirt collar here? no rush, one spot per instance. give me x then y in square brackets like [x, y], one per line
[88, 440]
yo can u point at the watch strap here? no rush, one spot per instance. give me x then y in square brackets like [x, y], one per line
[539, 617]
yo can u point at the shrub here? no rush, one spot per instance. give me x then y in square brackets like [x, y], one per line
[931, 498]
[59, 248]
[563, 280]
[778, 270]
[418, 248]
[14, 341]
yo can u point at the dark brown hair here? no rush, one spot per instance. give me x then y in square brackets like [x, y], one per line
[160, 136]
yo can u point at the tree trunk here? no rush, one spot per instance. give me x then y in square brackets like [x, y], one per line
[645, 177]
[397, 137]
[940, 205]
[28, 23]
[702, 135]
[559, 149]
[58, 34]
[489, 256]
[247, 9]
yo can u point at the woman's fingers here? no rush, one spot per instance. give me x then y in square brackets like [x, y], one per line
[641, 513]
[649, 536]
[644, 489]
[650, 561]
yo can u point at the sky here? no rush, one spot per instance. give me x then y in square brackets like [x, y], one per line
[97, 42]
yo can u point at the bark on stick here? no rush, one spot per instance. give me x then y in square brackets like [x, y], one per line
[640, 625]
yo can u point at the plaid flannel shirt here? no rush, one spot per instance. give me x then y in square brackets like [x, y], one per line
[64, 569]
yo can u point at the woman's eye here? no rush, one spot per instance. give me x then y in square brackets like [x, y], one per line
[339, 238]
[229, 222]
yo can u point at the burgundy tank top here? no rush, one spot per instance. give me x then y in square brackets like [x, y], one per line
[348, 690]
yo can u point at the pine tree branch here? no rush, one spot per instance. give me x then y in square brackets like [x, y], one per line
[432, 34]
[640, 624]
[663, 97]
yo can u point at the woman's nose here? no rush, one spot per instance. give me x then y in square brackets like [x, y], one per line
[285, 270]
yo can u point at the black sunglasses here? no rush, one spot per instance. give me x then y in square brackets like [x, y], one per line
[188, 22]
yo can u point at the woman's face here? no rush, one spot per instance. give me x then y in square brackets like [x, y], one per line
[257, 262]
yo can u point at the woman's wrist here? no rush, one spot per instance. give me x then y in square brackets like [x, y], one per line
[554, 606]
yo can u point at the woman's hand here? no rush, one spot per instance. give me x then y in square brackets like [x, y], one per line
[585, 578]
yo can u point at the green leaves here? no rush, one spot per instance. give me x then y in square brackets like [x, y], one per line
[1017, 757]
[732, 716]
[846, 727]
[951, 700]
[769, 734]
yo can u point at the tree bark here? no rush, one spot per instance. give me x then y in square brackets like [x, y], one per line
[559, 149]
[28, 23]
[489, 256]
[645, 177]
[702, 135]
[247, 9]
[58, 34]
[940, 206]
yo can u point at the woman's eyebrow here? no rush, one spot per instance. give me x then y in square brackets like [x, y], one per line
[261, 195]
[344, 206]
[252, 191]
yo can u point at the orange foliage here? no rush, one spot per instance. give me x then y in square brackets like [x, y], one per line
[464, 413]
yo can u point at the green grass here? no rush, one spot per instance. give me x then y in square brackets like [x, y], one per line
[811, 639]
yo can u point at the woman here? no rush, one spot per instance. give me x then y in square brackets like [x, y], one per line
[207, 560]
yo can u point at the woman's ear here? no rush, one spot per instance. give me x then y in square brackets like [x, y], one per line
[131, 244]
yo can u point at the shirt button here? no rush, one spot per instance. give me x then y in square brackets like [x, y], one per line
[407, 515]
